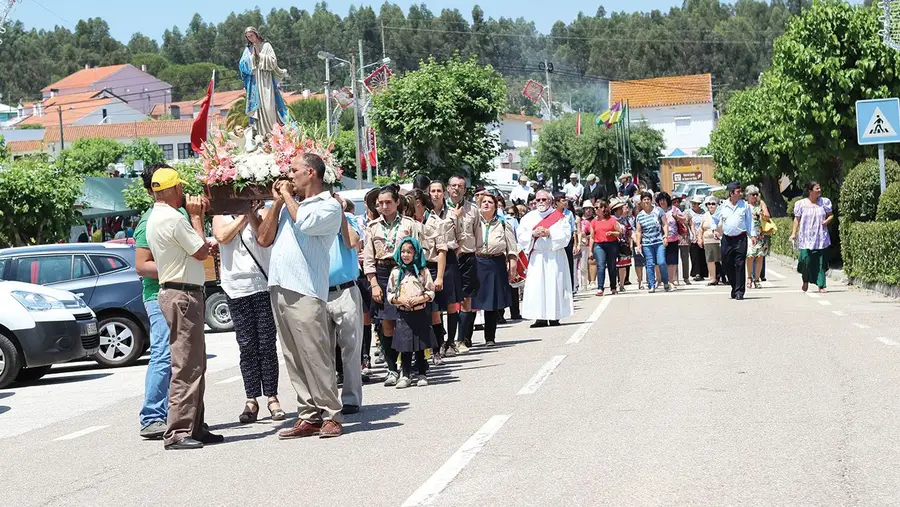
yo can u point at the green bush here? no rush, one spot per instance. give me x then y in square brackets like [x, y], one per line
[889, 203]
[862, 188]
[873, 247]
[721, 194]
[780, 240]
[791, 203]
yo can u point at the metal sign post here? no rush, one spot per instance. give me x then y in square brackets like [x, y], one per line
[877, 122]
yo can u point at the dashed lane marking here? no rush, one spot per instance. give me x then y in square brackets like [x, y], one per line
[230, 380]
[774, 273]
[80, 433]
[428, 492]
[584, 328]
[825, 302]
[861, 326]
[541, 376]
[887, 341]
[839, 313]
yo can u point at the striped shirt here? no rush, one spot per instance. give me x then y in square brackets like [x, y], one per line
[301, 253]
[651, 227]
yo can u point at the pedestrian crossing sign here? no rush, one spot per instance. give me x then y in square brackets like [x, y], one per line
[878, 121]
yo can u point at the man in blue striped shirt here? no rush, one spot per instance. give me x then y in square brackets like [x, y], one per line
[734, 220]
[302, 234]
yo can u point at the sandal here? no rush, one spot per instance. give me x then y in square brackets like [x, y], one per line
[276, 411]
[712, 284]
[249, 415]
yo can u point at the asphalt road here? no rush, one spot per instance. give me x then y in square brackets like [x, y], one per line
[668, 399]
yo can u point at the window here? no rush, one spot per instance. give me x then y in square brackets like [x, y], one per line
[3, 263]
[107, 264]
[639, 122]
[682, 124]
[185, 151]
[81, 268]
[44, 270]
[168, 153]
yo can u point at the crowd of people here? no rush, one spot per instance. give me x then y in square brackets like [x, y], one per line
[404, 282]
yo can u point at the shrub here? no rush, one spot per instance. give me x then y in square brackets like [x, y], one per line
[721, 194]
[873, 247]
[780, 242]
[889, 203]
[791, 203]
[862, 188]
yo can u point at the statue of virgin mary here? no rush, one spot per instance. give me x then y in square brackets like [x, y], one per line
[262, 78]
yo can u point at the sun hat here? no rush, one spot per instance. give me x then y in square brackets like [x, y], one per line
[588, 204]
[616, 203]
[697, 199]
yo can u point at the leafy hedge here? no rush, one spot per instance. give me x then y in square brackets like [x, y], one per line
[861, 189]
[889, 203]
[873, 247]
[780, 240]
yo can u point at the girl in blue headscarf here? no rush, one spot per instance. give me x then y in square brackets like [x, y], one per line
[411, 289]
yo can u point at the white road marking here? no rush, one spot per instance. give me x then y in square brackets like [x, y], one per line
[814, 295]
[887, 341]
[861, 326]
[774, 273]
[682, 293]
[229, 380]
[584, 328]
[839, 313]
[428, 492]
[80, 433]
[541, 376]
[825, 302]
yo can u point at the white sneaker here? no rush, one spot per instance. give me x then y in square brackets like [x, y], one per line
[391, 379]
[422, 381]
[403, 383]
[461, 348]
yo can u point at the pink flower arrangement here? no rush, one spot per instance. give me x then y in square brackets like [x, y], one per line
[225, 162]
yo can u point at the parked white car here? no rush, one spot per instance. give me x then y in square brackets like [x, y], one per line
[39, 327]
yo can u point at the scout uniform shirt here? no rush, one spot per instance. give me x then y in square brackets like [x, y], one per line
[382, 239]
[433, 234]
[464, 225]
[411, 286]
[494, 238]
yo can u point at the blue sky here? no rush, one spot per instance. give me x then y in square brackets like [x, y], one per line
[152, 18]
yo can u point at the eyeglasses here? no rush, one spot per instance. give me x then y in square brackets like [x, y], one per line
[542, 199]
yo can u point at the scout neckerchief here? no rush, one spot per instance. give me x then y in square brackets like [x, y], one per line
[486, 225]
[390, 233]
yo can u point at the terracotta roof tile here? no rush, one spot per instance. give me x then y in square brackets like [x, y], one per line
[71, 113]
[121, 130]
[25, 146]
[187, 107]
[524, 117]
[663, 91]
[84, 77]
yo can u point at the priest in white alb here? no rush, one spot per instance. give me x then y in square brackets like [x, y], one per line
[543, 235]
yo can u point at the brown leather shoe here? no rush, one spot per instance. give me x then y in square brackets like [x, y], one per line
[300, 430]
[331, 429]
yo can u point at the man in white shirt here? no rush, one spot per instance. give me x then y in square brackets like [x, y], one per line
[178, 248]
[520, 194]
[573, 190]
[302, 234]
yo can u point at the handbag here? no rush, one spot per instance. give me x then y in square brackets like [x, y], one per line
[769, 228]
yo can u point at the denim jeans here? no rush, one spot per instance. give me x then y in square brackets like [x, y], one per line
[159, 369]
[606, 254]
[656, 256]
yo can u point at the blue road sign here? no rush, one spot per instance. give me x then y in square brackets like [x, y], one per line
[878, 121]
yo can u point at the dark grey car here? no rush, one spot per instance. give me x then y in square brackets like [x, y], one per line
[103, 275]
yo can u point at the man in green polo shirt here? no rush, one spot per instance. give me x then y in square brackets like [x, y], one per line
[159, 370]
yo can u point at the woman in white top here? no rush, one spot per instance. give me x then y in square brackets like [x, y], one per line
[243, 273]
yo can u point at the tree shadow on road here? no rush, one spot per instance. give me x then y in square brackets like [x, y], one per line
[62, 380]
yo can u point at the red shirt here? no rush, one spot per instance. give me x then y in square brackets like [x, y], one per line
[601, 227]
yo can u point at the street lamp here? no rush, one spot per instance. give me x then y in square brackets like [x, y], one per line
[327, 57]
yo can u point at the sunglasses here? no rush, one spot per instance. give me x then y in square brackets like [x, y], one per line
[542, 199]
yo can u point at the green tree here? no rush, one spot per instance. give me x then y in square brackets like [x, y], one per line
[345, 152]
[37, 202]
[140, 43]
[91, 156]
[155, 63]
[143, 149]
[4, 151]
[437, 116]
[137, 198]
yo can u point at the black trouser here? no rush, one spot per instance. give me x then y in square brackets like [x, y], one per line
[406, 359]
[571, 258]
[514, 311]
[734, 262]
[698, 261]
[761, 271]
[490, 325]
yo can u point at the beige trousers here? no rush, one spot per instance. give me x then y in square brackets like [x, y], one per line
[187, 342]
[308, 348]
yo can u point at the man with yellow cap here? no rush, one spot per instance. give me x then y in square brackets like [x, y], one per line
[179, 247]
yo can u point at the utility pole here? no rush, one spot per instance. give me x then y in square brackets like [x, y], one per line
[361, 119]
[383, 51]
[328, 96]
[356, 107]
[549, 90]
[62, 141]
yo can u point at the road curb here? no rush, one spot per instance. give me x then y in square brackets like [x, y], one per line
[838, 275]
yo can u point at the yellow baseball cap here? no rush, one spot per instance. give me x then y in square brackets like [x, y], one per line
[165, 178]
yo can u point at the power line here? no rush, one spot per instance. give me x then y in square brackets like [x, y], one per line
[64, 20]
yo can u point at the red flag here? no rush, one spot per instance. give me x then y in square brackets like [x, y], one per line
[200, 127]
[578, 125]
[373, 148]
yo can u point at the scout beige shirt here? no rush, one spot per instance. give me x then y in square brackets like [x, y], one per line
[411, 286]
[494, 238]
[382, 239]
[433, 234]
[465, 235]
[173, 241]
